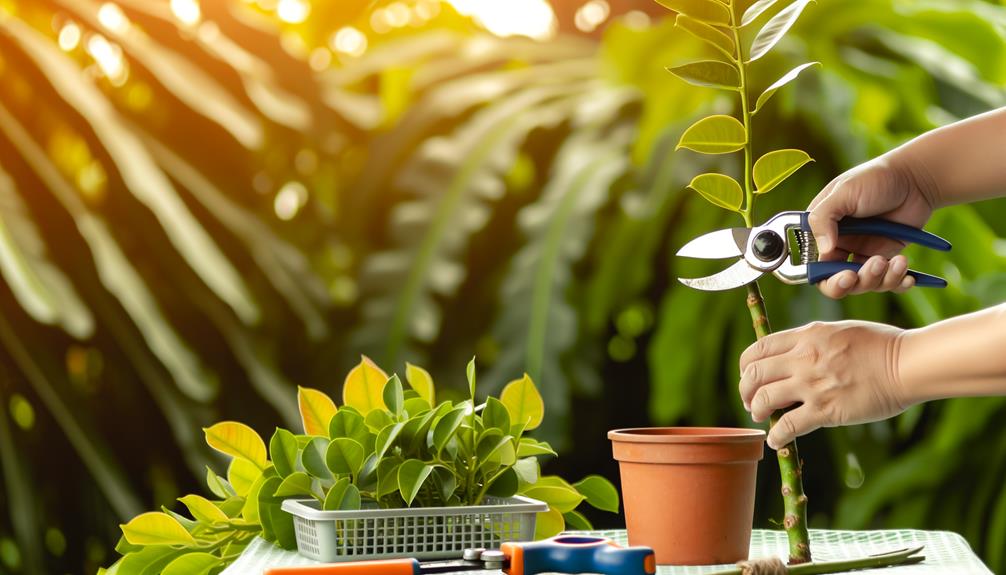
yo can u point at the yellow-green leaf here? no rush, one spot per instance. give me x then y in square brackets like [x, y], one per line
[241, 474]
[316, 410]
[421, 381]
[755, 10]
[707, 33]
[775, 29]
[203, 509]
[786, 78]
[714, 135]
[297, 483]
[199, 563]
[720, 190]
[237, 440]
[156, 528]
[704, 10]
[549, 524]
[774, 167]
[524, 403]
[708, 74]
[557, 492]
[364, 386]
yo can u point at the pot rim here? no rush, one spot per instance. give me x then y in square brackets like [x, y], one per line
[686, 435]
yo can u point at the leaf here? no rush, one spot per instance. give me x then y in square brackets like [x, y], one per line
[217, 485]
[506, 484]
[349, 424]
[775, 29]
[203, 509]
[529, 446]
[786, 78]
[411, 476]
[714, 135]
[470, 373]
[313, 458]
[708, 74]
[345, 455]
[488, 448]
[720, 190]
[151, 560]
[316, 410]
[496, 415]
[386, 438]
[237, 440]
[198, 563]
[771, 169]
[708, 34]
[557, 492]
[421, 381]
[297, 483]
[548, 524]
[155, 528]
[387, 475]
[599, 492]
[755, 10]
[446, 427]
[576, 520]
[283, 452]
[522, 400]
[342, 496]
[393, 395]
[704, 10]
[364, 386]
[528, 471]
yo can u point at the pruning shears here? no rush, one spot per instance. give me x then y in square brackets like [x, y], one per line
[562, 554]
[785, 246]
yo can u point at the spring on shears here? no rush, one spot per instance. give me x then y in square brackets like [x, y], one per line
[807, 246]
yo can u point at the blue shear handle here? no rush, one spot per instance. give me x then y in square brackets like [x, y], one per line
[820, 271]
[579, 554]
[888, 229]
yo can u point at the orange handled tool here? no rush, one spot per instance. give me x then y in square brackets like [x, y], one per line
[563, 554]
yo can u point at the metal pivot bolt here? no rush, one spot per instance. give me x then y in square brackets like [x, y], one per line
[493, 559]
[768, 245]
[473, 554]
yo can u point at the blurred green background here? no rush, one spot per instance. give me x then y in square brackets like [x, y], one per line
[205, 204]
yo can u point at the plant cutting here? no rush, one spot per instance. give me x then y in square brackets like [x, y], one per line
[388, 446]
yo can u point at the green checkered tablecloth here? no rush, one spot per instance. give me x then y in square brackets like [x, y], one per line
[946, 553]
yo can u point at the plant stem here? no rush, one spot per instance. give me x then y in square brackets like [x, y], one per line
[900, 557]
[790, 465]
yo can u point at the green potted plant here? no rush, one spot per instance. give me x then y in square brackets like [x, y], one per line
[389, 446]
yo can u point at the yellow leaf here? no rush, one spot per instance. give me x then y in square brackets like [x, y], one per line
[421, 381]
[237, 440]
[771, 169]
[549, 524]
[714, 135]
[203, 509]
[721, 190]
[156, 528]
[707, 33]
[523, 402]
[242, 474]
[364, 386]
[316, 410]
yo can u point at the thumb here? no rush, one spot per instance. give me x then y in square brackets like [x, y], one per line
[791, 425]
[824, 216]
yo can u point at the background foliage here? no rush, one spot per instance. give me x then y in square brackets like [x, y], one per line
[196, 215]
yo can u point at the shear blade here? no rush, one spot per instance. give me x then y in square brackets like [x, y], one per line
[734, 276]
[727, 243]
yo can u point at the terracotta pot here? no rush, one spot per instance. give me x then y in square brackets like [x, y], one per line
[689, 491]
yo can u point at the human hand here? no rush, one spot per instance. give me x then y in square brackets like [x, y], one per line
[883, 187]
[842, 373]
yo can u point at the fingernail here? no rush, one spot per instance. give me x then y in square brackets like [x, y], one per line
[845, 281]
[899, 265]
[878, 266]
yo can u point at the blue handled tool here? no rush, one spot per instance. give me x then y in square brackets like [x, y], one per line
[562, 554]
[785, 246]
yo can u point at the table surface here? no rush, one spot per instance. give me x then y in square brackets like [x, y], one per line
[946, 553]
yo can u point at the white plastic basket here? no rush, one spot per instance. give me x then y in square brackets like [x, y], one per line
[421, 532]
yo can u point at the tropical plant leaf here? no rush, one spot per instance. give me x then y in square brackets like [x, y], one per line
[156, 528]
[241, 475]
[771, 169]
[364, 387]
[599, 492]
[785, 79]
[709, 11]
[523, 402]
[283, 452]
[708, 74]
[714, 135]
[549, 524]
[755, 10]
[345, 455]
[203, 509]
[720, 190]
[295, 484]
[775, 29]
[316, 410]
[237, 440]
[707, 34]
[420, 380]
[557, 492]
[197, 563]
[411, 476]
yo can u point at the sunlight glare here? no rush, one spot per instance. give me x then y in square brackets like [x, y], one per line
[348, 40]
[109, 58]
[69, 36]
[187, 11]
[531, 18]
[293, 11]
[591, 15]
[289, 200]
[113, 18]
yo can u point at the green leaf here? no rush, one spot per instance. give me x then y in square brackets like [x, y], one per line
[524, 403]
[237, 440]
[297, 483]
[775, 29]
[786, 78]
[470, 373]
[557, 492]
[708, 34]
[342, 496]
[755, 10]
[549, 524]
[421, 381]
[447, 483]
[283, 451]
[250, 511]
[386, 438]
[149, 560]
[155, 528]
[496, 415]
[393, 395]
[527, 469]
[708, 74]
[217, 485]
[505, 485]
[203, 509]
[576, 520]
[316, 410]
[714, 135]
[704, 10]
[599, 492]
[313, 458]
[447, 426]
[264, 501]
[347, 423]
[199, 563]
[387, 475]
[378, 419]
[720, 190]
[489, 446]
[771, 169]
[241, 474]
[411, 476]
[364, 386]
[345, 455]
[530, 446]
[416, 405]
